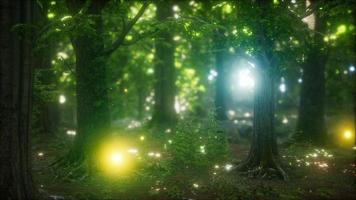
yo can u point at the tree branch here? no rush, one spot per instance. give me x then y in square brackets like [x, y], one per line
[120, 40]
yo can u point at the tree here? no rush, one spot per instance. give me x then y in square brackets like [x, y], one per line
[263, 158]
[93, 115]
[164, 86]
[311, 121]
[15, 105]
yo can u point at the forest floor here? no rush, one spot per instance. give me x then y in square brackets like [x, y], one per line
[314, 173]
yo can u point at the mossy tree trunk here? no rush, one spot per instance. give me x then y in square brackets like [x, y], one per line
[15, 100]
[165, 90]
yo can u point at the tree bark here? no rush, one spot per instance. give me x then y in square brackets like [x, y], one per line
[263, 158]
[311, 122]
[164, 87]
[15, 103]
[93, 117]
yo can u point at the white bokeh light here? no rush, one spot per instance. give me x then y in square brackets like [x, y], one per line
[62, 99]
[245, 79]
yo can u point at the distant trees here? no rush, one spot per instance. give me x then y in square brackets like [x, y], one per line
[165, 75]
[15, 99]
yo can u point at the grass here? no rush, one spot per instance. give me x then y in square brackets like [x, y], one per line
[314, 173]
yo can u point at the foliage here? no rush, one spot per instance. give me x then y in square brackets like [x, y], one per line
[198, 144]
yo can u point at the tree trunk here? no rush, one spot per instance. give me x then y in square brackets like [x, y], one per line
[311, 122]
[221, 69]
[263, 155]
[93, 116]
[165, 89]
[15, 103]
[263, 158]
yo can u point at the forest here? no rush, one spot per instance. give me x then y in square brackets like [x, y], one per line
[177, 99]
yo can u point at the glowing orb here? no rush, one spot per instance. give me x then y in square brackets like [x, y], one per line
[347, 134]
[142, 138]
[62, 99]
[283, 87]
[245, 79]
[116, 159]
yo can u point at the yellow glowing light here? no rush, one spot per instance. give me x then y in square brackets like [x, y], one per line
[40, 154]
[142, 138]
[347, 134]
[341, 29]
[50, 15]
[116, 159]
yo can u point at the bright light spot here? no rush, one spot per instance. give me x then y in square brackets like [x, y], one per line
[245, 79]
[247, 114]
[62, 55]
[132, 151]
[142, 138]
[216, 166]
[231, 49]
[347, 134]
[202, 149]
[282, 87]
[285, 120]
[168, 130]
[66, 17]
[175, 8]
[170, 141]
[341, 29]
[157, 155]
[62, 99]
[40, 154]
[50, 15]
[228, 167]
[345, 72]
[195, 185]
[212, 75]
[231, 113]
[176, 38]
[116, 159]
[300, 80]
[71, 132]
[150, 71]
[352, 68]
[134, 124]
[151, 154]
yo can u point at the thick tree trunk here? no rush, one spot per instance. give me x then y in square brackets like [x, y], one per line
[165, 89]
[263, 153]
[15, 103]
[93, 116]
[263, 158]
[311, 122]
